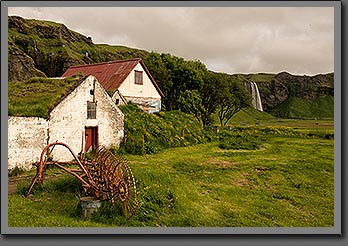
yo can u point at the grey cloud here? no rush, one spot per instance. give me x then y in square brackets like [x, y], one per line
[232, 40]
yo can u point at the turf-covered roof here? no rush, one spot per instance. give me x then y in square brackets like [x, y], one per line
[37, 97]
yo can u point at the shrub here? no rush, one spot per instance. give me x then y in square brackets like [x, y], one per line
[151, 133]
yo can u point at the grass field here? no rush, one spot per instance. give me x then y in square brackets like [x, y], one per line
[287, 182]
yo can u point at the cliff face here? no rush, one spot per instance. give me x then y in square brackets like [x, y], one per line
[39, 48]
[21, 66]
[285, 86]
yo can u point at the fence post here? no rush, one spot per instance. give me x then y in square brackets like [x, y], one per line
[143, 143]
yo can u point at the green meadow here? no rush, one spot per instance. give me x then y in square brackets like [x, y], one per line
[285, 180]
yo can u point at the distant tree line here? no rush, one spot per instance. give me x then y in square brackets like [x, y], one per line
[190, 87]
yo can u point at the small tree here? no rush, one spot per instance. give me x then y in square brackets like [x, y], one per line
[203, 102]
[232, 98]
[191, 102]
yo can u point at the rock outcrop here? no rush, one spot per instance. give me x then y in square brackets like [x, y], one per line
[285, 85]
[45, 48]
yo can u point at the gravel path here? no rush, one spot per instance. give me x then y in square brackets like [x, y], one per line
[13, 181]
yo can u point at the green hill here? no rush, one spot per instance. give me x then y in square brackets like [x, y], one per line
[294, 107]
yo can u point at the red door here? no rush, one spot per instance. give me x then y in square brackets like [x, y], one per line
[91, 137]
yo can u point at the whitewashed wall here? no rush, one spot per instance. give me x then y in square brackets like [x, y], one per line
[145, 95]
[27, 136]
[129, 89]
[69, 119]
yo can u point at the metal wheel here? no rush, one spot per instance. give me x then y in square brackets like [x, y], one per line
[115, 180]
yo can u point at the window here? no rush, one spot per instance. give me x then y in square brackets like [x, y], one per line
[117, 101]
[91, 110]
[138, 77]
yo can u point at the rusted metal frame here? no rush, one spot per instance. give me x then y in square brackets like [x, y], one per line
[61, 162]
[65, 145]
[106, 176]
[114, 176]
[76, 175]
[65, 163]
[40, 168]
[117, 174]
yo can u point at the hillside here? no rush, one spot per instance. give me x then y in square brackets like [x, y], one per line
[277, 88]
[294, 107]
[47, 49]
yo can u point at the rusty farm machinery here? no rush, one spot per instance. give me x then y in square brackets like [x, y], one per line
[104, 176]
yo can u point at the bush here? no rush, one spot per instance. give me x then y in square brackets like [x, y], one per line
[151, 133]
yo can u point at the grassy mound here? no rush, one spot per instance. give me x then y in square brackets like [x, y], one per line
[150, 133]
[249, 116]
[36, 97]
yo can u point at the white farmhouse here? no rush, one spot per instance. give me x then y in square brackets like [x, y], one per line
[125, 80]
[84, 116]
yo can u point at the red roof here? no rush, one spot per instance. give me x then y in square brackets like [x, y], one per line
[110, 74]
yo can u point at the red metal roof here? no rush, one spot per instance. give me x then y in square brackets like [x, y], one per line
[110, 74]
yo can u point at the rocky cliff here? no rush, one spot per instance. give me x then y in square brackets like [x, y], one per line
[284, 86]
[45, 48]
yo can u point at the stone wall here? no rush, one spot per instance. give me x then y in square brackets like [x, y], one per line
[27, 136]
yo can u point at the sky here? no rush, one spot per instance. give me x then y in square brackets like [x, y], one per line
[298, 40]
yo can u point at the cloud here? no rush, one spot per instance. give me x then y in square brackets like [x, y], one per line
[230, 39]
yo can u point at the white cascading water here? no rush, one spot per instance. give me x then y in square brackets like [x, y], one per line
[255, 94]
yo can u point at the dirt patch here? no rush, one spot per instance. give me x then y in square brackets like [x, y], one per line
[221, 163]
[242, 181]
[13, 181]
[260, 169]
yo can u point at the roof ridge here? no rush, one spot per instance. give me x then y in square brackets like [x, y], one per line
[109, 62]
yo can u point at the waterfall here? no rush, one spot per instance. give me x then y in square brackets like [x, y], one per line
[255, 94]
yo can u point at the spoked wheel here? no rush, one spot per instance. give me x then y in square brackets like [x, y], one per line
[116, 180]
[127, 190]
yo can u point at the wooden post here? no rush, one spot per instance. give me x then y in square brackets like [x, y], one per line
[124, 140]
[143, 143]
[133, 145]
